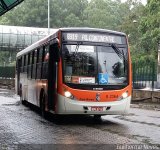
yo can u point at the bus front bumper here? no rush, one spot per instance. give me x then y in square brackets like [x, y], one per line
[68, 106]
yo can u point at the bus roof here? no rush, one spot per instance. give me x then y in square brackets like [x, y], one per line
[38, 43]
[86, 29]
[73, 29]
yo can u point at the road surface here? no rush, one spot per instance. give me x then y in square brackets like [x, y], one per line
[24, 128]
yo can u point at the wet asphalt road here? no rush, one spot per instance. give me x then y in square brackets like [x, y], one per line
[20, 125]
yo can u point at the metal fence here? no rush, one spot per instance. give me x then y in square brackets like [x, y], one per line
[144, 74]
[16, 38]
[7, 72]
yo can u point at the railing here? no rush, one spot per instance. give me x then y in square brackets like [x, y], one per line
[7, 72]
[144, 74]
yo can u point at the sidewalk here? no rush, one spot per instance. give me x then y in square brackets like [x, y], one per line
[148, 106]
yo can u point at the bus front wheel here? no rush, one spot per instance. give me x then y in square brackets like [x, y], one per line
[42, 103]
[21, 95]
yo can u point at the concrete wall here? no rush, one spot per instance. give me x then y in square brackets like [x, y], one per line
[146, 96]
[7, 83]
[137, 95]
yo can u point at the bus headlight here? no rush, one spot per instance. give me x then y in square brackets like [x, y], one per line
[68, 95]
[123, 96]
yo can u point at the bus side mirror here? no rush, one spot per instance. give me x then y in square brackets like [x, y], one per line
[57, 54]
[55, 51]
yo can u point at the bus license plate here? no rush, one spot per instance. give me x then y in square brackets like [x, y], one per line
[96, 108]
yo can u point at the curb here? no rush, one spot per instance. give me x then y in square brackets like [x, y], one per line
[148, 106]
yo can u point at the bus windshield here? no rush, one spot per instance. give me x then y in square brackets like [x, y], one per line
[95, 65]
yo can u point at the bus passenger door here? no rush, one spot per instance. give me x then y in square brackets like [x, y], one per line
[52, 77]
[18, 70]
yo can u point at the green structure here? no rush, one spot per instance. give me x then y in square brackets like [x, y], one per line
[144, 74]
[14, 39]
[6, 5]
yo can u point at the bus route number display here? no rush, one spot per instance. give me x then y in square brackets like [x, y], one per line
[90, 37]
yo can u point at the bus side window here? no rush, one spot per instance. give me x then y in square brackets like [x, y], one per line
[24, 68]
[20, 64]
[26, 63]
[29, 67]
[56, 53]
[45, 62]
[39, 62]
[32, 64]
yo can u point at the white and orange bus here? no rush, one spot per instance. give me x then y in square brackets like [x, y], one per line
[77, 71]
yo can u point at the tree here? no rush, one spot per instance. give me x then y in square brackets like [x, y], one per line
[28, 13]
[102, 14]
[131, 21]
[35, 13]
[150, 26]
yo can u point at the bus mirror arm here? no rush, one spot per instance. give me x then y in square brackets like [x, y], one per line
[56, 50]
[57, 59]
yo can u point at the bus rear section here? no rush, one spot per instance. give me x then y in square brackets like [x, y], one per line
[94, 75]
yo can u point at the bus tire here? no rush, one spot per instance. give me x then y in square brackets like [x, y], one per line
[23, 102]
[20, 94]
[42, 103]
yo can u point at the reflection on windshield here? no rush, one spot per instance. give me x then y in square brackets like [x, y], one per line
[97, 65]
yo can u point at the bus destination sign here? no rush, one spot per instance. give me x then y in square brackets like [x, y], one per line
[94, 37]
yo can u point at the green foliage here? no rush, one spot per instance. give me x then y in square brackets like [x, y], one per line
[150, 26]
[106, 14]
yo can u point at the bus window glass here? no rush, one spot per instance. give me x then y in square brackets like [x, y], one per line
[32, 57]
[34, 64]
[24, 60]
[45, 62]
[41, 55]
[46, 55]
[96, 65]
[37, 56]
[33, 68]
[28, 63]
[22, 67]
[20, 64]
[39, 63]
[110, 66]
[25, 63]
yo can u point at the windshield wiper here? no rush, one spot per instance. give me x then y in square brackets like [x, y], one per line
[120, 54]
[118, 51]
[124, 61]
[77, 47]
[76, 52]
